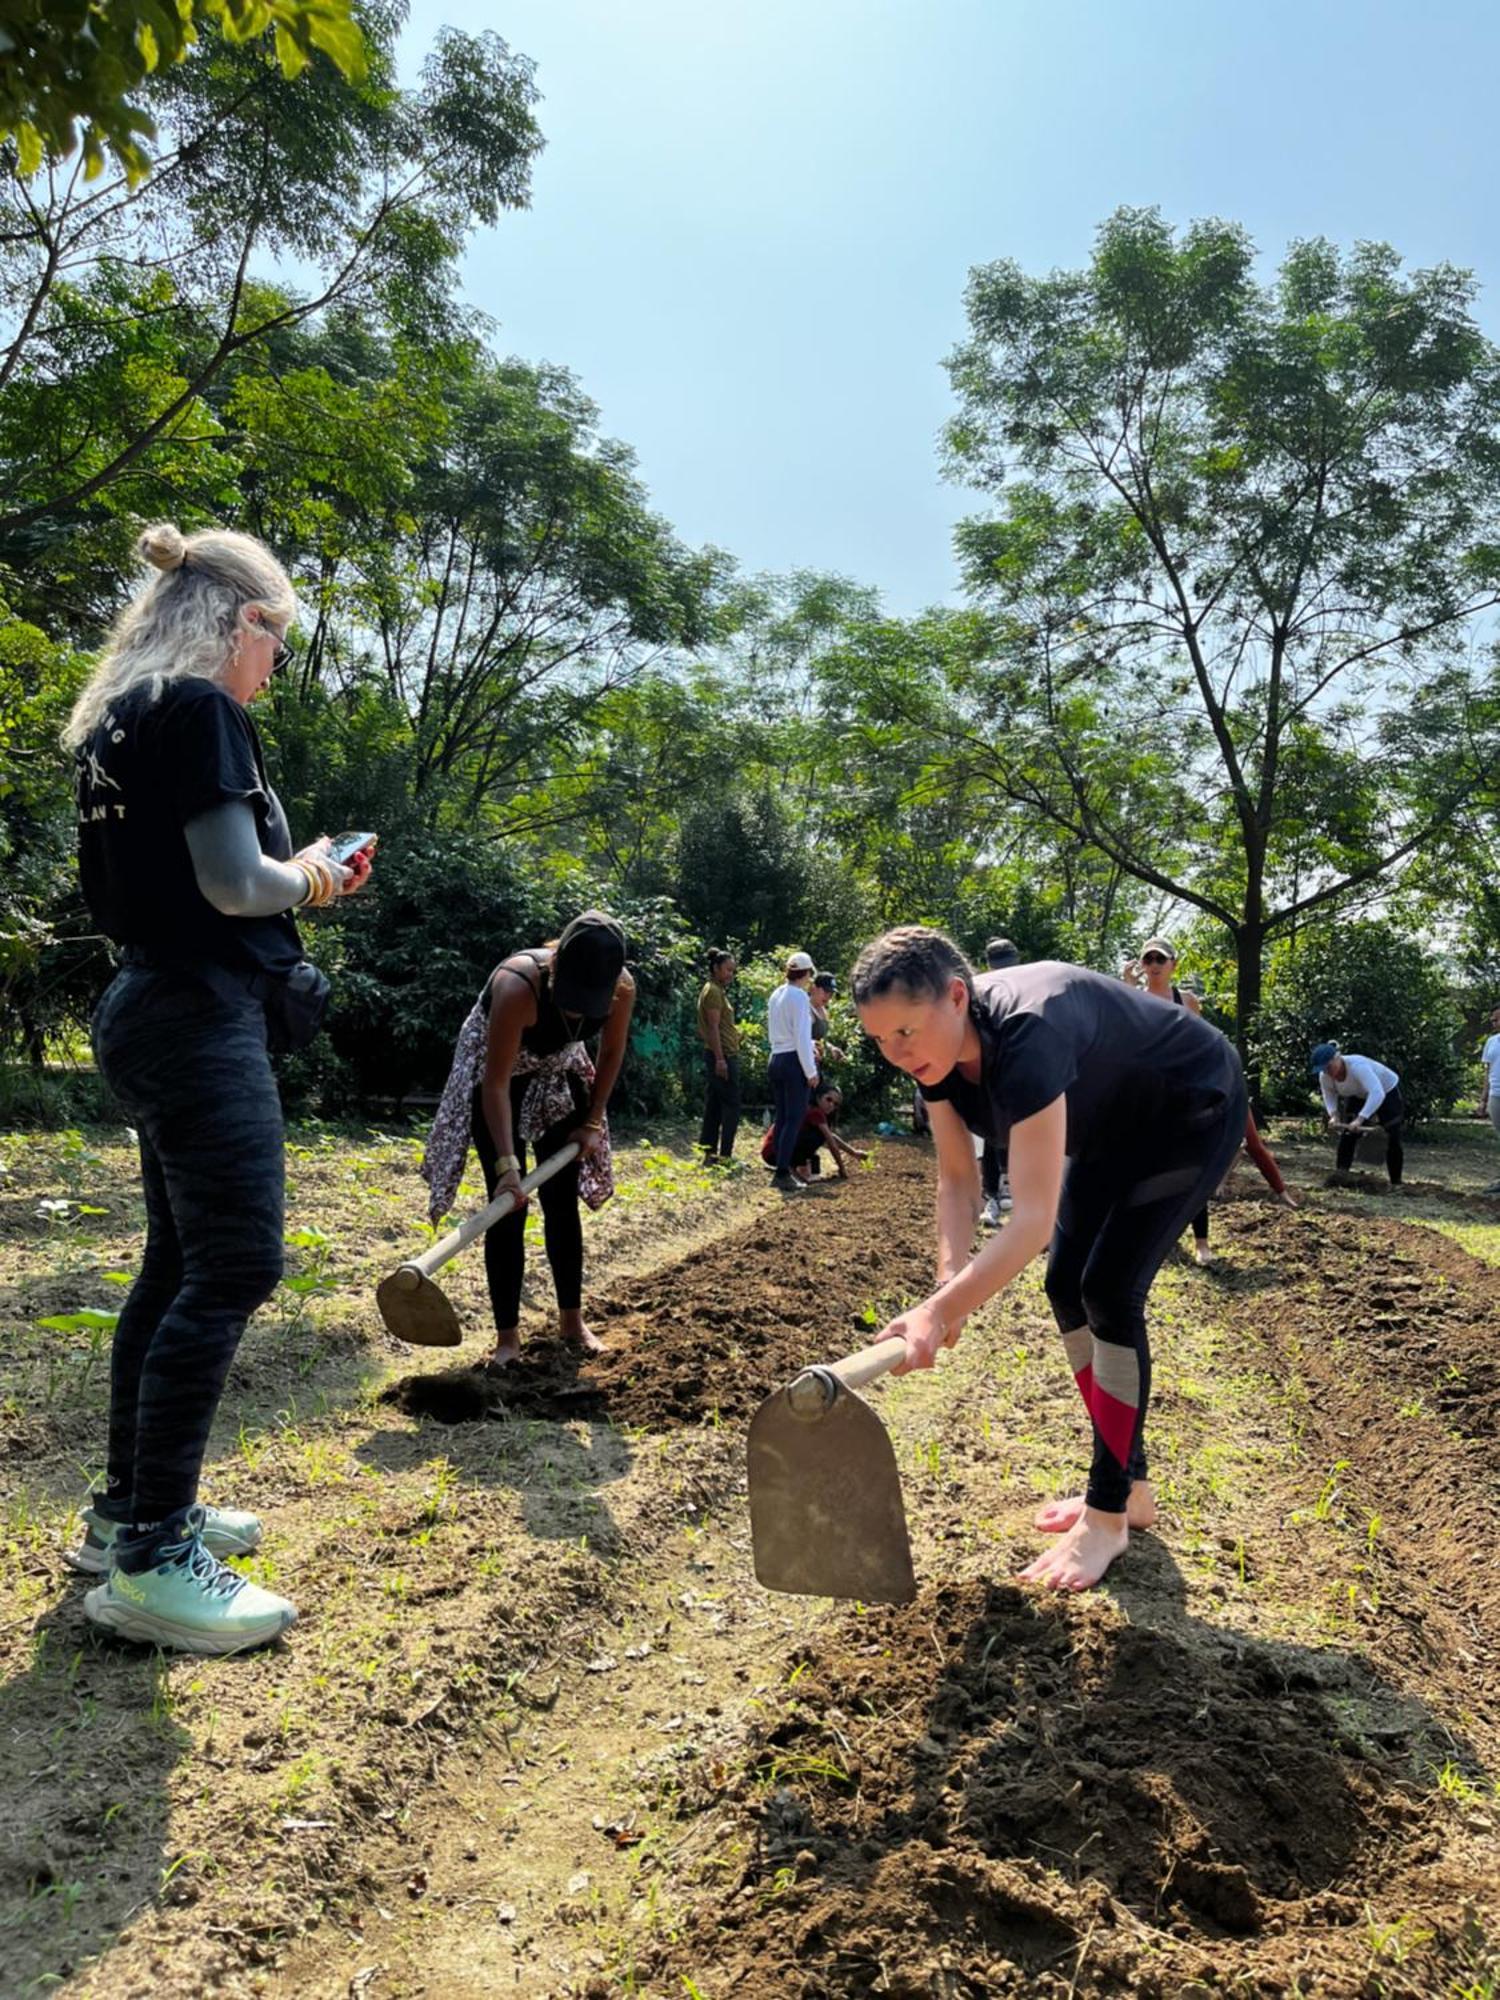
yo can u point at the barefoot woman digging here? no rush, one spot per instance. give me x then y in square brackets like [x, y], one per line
[521, 1071]
[1120, 1116]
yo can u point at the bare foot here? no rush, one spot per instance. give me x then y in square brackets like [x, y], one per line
[507, 1349]
[1083, 1555]
[577, 1333]
[1059, 1515]
[1288, 1199]
[1204, 1255]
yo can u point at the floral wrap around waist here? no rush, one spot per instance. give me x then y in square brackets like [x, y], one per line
[547, 1101]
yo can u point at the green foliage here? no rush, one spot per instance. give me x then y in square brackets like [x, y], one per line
[127, 310]
[408, 957]
[1372, 989]
[1241, 533]
[66, 63]
[50, 965]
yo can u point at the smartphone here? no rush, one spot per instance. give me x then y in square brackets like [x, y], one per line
[347, 845]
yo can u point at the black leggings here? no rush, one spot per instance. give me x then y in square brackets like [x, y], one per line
[1112, 1236]
[190, 1070]
[1390, 1113]
[562, 1226]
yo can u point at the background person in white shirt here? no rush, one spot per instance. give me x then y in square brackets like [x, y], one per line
[1342, 1076]
[1490, 1102]
[794, 1063]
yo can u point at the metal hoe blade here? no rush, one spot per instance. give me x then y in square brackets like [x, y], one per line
[826, 1514]
[414, 1309]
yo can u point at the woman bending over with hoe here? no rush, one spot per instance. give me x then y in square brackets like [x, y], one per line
[1121, 1116]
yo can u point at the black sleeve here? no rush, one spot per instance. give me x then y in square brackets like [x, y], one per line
[1036, 1065]
[208, 752]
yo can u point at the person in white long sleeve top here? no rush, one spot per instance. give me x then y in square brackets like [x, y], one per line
[1342, 1076]
[794, 1063]
[1490, 1102]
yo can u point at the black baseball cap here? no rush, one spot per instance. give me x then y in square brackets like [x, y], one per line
[828, 981]
[999, 953]
[590, 958]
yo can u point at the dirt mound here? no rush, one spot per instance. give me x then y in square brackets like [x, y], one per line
[991, 1794]
[984, 1794]
[804, 1281]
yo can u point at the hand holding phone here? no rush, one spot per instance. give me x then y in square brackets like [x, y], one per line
[344, 846]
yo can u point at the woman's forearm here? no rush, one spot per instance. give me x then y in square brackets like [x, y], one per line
[957, 1219]
[494, 1098]
[231, 871]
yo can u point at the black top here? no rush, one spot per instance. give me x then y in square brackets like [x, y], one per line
[551, 1030]
[1128, 1067]
[149, 768]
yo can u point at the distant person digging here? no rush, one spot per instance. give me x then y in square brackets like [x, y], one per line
[1343, 1077]
[816, 1132]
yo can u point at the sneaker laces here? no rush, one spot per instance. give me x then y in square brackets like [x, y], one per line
[214, 1578]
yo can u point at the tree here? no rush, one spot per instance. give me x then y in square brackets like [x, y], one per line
[1243, 534]
[124, 308]
[1371, 989]
[66, 62]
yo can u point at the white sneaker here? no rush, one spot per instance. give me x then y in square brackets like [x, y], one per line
[188, 1601]
[1005, 1201]
[989, 1215]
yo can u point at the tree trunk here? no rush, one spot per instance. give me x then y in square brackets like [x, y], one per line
[1249, 944]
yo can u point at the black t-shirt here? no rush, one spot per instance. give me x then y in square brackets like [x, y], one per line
[149, 768]
[1132, 1071]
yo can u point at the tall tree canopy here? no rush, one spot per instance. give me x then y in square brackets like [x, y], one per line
[1245, 536]
[123, 307]
[66, 64]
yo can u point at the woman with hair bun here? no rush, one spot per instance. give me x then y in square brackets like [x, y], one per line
[187, 864]
[1120, 1115]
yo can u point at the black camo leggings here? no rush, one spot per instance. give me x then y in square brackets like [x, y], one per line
[190, 1070]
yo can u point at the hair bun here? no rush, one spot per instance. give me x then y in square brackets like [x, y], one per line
[162, 546]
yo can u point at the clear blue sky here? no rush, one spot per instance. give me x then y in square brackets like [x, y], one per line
[753, 221]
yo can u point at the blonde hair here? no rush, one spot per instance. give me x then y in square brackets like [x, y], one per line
[185, 622]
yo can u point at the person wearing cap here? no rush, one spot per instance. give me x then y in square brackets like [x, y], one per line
[994, 1182]
[522, 1072]
[1344, 1076]
[1153, 973]
[721, 1061]
[794, 1063]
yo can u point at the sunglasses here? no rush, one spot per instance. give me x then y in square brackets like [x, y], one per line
[283, 654]
[1154, 958]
